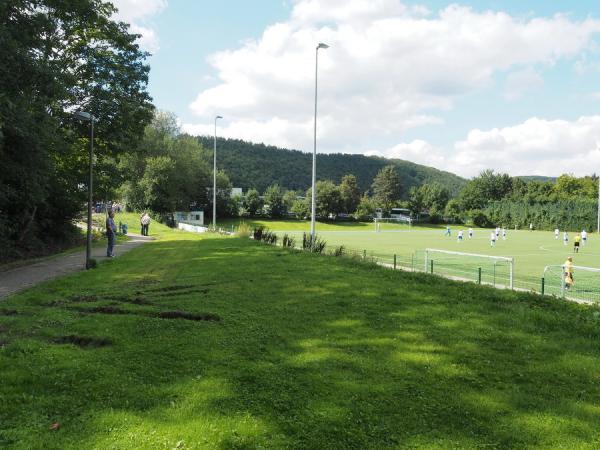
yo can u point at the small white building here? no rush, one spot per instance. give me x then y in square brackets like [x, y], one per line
[236, 192]
[191, 217]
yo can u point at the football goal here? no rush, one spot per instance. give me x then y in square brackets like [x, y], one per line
[585, 284]
[483, 269]
[393, 224]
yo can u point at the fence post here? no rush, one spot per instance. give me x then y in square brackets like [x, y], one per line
[432, 266]
[479, 276]
[364, 255]
[543, 284]
[394, 261]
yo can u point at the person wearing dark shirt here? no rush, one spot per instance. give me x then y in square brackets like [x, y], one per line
[111, 234]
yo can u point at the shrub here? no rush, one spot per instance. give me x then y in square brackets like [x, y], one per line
[339, 251]
[288, 241]
[258, 232]
[268, 237]
[316, 245]
[243, 230]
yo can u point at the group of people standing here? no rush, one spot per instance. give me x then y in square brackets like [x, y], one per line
[111, 230]
[579, 240]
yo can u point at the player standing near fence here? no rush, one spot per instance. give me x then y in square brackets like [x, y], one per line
[568, 272]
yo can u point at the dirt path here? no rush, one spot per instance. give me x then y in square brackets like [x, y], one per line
[24, 277]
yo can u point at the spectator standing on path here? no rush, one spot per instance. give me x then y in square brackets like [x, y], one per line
[111, 233]
[145, 221]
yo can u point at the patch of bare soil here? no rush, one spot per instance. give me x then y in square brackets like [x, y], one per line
[84, 341]
[188, 316]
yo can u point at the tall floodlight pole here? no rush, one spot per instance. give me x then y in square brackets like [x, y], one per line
[215, 177]
[314, 161]
[88, 248]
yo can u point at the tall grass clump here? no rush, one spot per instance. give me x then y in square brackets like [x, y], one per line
[288, 242]
[243, 230]
[315, 245]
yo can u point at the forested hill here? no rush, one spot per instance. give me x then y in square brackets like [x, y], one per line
[258, 165]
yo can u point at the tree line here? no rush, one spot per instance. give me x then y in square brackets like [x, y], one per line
[59, 57]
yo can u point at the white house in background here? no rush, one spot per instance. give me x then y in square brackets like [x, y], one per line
[191, 217]
[236, 191]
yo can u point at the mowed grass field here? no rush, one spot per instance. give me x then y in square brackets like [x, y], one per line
[197, 341]
[532, 250]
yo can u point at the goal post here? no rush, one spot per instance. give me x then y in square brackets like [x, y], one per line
[383, 224]
[484, 269]
[585, 286]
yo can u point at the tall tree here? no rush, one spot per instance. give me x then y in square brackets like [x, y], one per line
[273, 197]
[350, 193]
[486, 187]
[58, 56]
[252, 202]
[387, 187]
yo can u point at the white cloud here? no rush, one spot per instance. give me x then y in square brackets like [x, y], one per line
[138, 13]
[390, 68]
[534, 147]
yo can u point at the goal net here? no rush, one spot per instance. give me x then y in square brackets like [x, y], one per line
[585, 284]
[484, 269]
[392, 224]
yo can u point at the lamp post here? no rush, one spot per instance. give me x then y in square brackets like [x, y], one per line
[215, 177]
[314, 161]
[82, 115]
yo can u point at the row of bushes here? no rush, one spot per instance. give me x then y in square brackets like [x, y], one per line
[309, 244]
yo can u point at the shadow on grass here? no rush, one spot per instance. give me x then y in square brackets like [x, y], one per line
[310, 352]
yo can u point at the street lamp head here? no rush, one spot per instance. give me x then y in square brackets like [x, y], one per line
[322, 45]
[84, 115]
[218, 117]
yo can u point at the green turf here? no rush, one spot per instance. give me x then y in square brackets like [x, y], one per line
[309, 352]
[532, 251]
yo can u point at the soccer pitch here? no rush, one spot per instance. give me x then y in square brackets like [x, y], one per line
[532, 252]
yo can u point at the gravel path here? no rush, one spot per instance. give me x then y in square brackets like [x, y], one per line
[15, 280]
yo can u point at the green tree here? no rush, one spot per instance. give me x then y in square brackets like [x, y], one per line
[416, 202]
[57, 57]
[329, 199]
[350, 193]
[453, 211]
[435, 198]
[366, 208]
[387, 187]
[252, 202]
[274, 199]
[488, 186]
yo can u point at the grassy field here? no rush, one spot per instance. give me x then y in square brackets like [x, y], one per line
[203, 342]
[532, 252]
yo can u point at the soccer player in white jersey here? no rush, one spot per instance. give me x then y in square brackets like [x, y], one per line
[470, 233]
[556, 233]
[503, 234]
[460, 236]
[565, 238]
[584, 237]
[492, 238]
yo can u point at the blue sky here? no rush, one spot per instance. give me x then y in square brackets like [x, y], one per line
[507, 85]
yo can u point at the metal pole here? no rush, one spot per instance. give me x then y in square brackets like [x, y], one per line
[394, 262]
[314, 159]
[215, 179]
[543, 285]
[88, 247]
